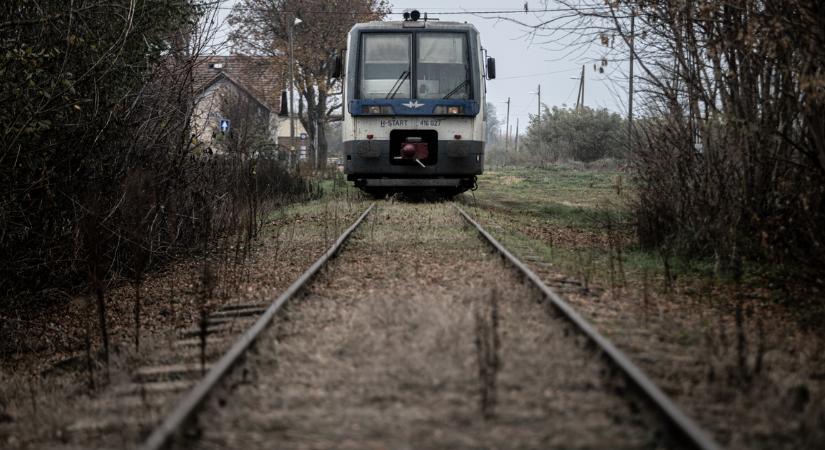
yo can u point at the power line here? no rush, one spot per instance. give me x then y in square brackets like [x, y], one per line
[400, 12]
[503, 11]
[538, 74]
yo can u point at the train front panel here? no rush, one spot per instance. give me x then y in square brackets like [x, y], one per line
[414, 106]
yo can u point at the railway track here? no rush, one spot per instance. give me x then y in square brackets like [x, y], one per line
[445, 312]
[677, 420]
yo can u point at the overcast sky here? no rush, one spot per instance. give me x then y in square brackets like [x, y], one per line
[520, 65]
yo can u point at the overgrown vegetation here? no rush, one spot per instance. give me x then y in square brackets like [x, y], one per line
[562, 134]
[574, 217]
[102, 178]
[727, 351]
[732, 162]
[728, 146]
[558, 135]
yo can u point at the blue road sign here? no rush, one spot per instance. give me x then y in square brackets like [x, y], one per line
[224, 125]
[303, 136]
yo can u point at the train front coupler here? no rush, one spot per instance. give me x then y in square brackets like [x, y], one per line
[414, 148]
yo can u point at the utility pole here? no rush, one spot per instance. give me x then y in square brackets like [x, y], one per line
[517, 134]
[630, 88]
[315, 145]
[538, 107]
[292, 87]
[507, 138]
[580, 96]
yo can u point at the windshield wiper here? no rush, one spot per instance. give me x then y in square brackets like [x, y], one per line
[398, 83]
[456, 89]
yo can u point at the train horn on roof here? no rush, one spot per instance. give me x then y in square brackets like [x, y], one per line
[413, 15]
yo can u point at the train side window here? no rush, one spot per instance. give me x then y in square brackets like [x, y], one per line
[385, 65]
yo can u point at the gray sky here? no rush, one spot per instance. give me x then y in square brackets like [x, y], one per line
[520, 66]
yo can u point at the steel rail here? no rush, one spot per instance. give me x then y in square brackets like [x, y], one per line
[172, 423]
[676, 418]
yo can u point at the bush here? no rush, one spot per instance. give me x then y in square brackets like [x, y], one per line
[565, 134]
[731, 162]
[101, 176]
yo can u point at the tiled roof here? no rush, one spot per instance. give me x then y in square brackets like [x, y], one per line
[264, 77]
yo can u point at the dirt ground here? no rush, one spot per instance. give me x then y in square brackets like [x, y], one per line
[45, 398]
[738, 361]
[399, 367]
[384, 351]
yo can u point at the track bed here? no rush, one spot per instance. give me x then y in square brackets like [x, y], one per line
[383, 352]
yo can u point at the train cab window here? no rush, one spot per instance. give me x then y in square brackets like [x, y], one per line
[385, 65]
[442, 68]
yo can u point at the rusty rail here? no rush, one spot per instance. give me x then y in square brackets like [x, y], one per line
[679, 422]
[173, 423]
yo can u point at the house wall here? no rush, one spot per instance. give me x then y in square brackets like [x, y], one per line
[208, 112]
[207, 115]
[283, 129]
[284, 138]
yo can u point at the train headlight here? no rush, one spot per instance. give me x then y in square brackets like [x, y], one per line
[448, 110]
[377, 109]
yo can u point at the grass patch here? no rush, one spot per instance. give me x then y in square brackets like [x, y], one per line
[563, 197]
[578, 221]
[336, 194]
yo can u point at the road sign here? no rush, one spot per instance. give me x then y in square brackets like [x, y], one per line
[224, 126]
[303, 136]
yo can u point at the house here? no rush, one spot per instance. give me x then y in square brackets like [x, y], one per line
[231, 91]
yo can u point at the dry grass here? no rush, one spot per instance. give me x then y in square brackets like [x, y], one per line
[381, 353]
[735, 356]
[753, 378]
[44, 396]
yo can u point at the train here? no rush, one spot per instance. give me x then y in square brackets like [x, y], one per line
[414, 106]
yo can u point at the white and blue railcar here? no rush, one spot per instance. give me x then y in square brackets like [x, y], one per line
[414, 106]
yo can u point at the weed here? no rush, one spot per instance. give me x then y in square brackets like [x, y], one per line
[747, 371]
[207, 287]
[487, 352]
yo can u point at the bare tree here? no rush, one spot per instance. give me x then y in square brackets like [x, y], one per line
[101, 176]
[730, 145]
[263, 28]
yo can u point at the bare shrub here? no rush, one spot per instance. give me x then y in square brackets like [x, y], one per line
[729, 138]
[487, 344]
[731, 161]
[104, 180]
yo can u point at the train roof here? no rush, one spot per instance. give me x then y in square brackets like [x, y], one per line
[420, 24]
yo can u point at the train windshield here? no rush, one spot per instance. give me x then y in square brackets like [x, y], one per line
[385, 65]
[441, 69]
